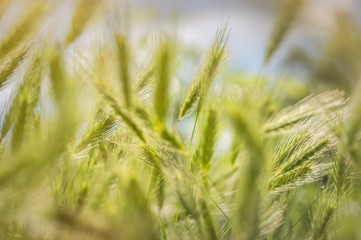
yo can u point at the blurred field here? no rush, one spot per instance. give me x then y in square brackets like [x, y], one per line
[131, 121]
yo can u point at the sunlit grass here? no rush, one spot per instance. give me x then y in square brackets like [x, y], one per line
[94, 146]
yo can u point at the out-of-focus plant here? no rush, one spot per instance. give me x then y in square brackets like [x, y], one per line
[335, 63]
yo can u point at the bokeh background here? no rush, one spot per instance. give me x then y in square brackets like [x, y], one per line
[320, 51]
[195, 22]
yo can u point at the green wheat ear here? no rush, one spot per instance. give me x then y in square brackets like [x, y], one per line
[127, 116]
[102, 125]
[208, 139]
[207, 73]
[3, 6]
[123, 59]
[84, 11]
[10, 66]
[24, 29]
[26, 97]
[27, 100]
[163, 69]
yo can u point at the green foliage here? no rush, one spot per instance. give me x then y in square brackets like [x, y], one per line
[93, 145]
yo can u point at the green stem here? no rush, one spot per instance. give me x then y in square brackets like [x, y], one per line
[194, 127]
[175, 224]
[176, 126]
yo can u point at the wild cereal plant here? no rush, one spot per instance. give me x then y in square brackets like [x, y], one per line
[94, 146]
